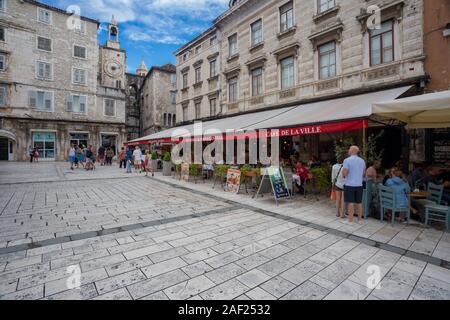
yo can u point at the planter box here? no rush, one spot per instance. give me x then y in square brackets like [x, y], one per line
[154, 165]
[167, 168]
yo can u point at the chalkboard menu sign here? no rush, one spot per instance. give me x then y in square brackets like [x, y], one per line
[441, 147]
[278, 181]
[273, 180]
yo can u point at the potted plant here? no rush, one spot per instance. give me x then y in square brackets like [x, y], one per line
[167, 164]
[154, 162]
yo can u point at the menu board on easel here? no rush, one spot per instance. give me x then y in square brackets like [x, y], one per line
[233, 180]
[273, 180]
[441, 147]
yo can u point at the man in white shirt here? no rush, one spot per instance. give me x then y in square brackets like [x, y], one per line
[137, 156]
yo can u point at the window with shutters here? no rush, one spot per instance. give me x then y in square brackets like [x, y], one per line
[212, 107]
[257, 32]
[2, 62]
[110, 107]
[286, 16]
[185, 112]
[198, 75]
[79, 76]
[76, 103]
[198, 106]
[79, 52]
[213, 68]
[173, 97]
[44, 70]
[3, 95]
[2, 34]
[327, 60]
[382, 44]
[185, 80]
[41, 100]
[2, 5]
[44, 16]
[257, 82]
[165, 120]
[287, 73]
[324, 5]
[232, 45]
[233, 89]
[44, 44]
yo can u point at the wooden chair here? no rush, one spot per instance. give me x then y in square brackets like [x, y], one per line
[388, 201]
[367, 198]
[435, 212]
[435, 195]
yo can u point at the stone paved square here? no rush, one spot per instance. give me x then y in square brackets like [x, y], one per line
[135, 237]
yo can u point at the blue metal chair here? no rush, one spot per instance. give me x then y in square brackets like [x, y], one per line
[367, 198]
[435, 212]
[388, 201]
[436, 192]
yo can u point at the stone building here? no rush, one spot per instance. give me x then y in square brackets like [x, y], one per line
[57, 85]
[133, 104]
[265, 54]
[158, 91]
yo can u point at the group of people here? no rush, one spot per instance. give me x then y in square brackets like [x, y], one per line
[350, 175]
[34, 154]
[81, 155]
[137, 158]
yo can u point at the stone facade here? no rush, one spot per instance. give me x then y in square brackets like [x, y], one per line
[59, 84]
[133, 105]
[300, 40]
[158, 100]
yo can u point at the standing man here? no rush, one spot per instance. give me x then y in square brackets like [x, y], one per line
[72, 156]
[122, 156]
[31, 153]
[137, 155]
[353, 170]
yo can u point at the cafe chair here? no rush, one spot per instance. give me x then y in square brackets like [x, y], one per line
[367, 198]
[438, 213]
[435, 195]
[388, 201]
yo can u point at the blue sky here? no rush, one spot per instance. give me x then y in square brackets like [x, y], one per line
[152, 29]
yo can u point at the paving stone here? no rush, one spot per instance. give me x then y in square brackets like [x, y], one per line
[146, 251]
[120, 294]
[128, 265]
[276, 266]
[225, 291]
[155, 284]
[189, 289]
[101, 262]
[62, 284]
[33, 293]
[301, 272]
[163, 267]
[119, 281]
[306, 291]
[253, 278]
[196, 269]
[222, 259]
[348, 290]
[85, 292]
[277, 286]
[225, 273]
[259, 294]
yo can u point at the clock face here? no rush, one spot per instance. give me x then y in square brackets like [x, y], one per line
[113, 68]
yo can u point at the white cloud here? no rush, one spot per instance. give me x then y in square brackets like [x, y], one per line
[155, 21]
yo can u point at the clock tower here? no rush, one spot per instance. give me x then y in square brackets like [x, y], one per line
[113, 59]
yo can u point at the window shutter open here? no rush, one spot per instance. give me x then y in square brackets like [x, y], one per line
[48, 100]
[69, 102]
[32, 97]
[82, 104]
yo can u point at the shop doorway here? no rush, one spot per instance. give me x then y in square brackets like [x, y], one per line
[109, 141]
[4, 152]
[79, 139]
[45, 142]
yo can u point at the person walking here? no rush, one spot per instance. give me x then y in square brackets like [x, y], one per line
[71, 154]
[109, 156]
[353, 171]
[31, 153]
[122, 158]
[137, 156]
[36, 154]
[101, 155]
[89, 158]
[338, 183]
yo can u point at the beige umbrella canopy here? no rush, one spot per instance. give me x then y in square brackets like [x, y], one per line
[425, 111]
